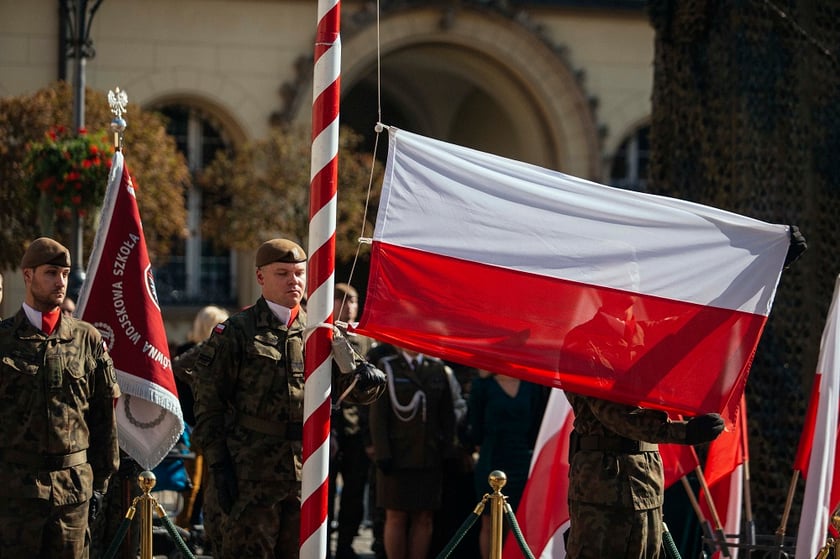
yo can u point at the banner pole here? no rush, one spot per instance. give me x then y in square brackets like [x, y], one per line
[314, 526]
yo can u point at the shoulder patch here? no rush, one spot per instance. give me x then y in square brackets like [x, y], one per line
[219, 328]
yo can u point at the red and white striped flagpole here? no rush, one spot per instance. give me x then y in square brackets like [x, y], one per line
[314, 527]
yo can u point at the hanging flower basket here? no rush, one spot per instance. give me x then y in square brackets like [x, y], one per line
[70, 170]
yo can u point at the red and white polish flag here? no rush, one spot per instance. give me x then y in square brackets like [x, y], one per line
[118, 297]
[816, 457]
[490, 262]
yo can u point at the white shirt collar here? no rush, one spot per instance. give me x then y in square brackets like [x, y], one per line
[282, 313]
[416, 360]
[34, 316]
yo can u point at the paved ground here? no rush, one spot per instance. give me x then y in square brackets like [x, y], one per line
[169, 500]
[361, 544]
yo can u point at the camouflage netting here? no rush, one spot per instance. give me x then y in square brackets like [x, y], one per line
[746, 117]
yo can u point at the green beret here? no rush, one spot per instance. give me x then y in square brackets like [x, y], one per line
[44, 250]
[279, 250]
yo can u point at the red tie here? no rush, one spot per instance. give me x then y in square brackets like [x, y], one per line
[49, 320]
[293, 315]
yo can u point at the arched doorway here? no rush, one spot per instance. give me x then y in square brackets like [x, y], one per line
[474, 78]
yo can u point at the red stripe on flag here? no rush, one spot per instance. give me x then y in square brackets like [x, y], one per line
[678, 460]
[694, 358]
[723, 475]
[806, 440]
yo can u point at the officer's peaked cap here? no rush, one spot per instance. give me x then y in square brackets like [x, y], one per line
[44, 250]
[279, 250]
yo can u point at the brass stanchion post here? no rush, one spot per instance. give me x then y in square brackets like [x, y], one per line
[146, 480]
[497, 480]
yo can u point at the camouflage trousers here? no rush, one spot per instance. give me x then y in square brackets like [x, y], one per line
[599, 531]
[35, 529]
[263, 523]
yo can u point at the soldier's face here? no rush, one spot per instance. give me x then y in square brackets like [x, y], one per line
[283, 282]
[345, 309]
[46, 286]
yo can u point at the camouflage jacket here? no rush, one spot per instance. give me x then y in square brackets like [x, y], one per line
[248, 382]
[56, 399]
[631, 480]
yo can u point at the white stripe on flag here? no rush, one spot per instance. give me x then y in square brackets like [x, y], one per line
[537, 220]
[817, 505]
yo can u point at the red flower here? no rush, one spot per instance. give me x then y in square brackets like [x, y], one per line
[72, 170]
[45, 184]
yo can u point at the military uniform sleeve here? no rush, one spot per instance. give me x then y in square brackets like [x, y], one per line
[637, 423]
[341, 382]
[213, 380]
[184, 364]
[104, 452]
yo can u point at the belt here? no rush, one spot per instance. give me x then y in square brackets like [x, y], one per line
[287, 429]
[614, 444]
[43, 461]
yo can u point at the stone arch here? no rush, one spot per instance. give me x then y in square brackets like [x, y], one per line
[477, 78]
[621, 136]
[170, 88]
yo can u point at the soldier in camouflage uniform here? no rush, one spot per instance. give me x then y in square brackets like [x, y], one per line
[615, 475]
[58, 436]
[249, 381]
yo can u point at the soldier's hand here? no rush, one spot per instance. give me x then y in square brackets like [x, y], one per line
[224, 477]
[369, 376]
[703, 428]
[95, 505]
